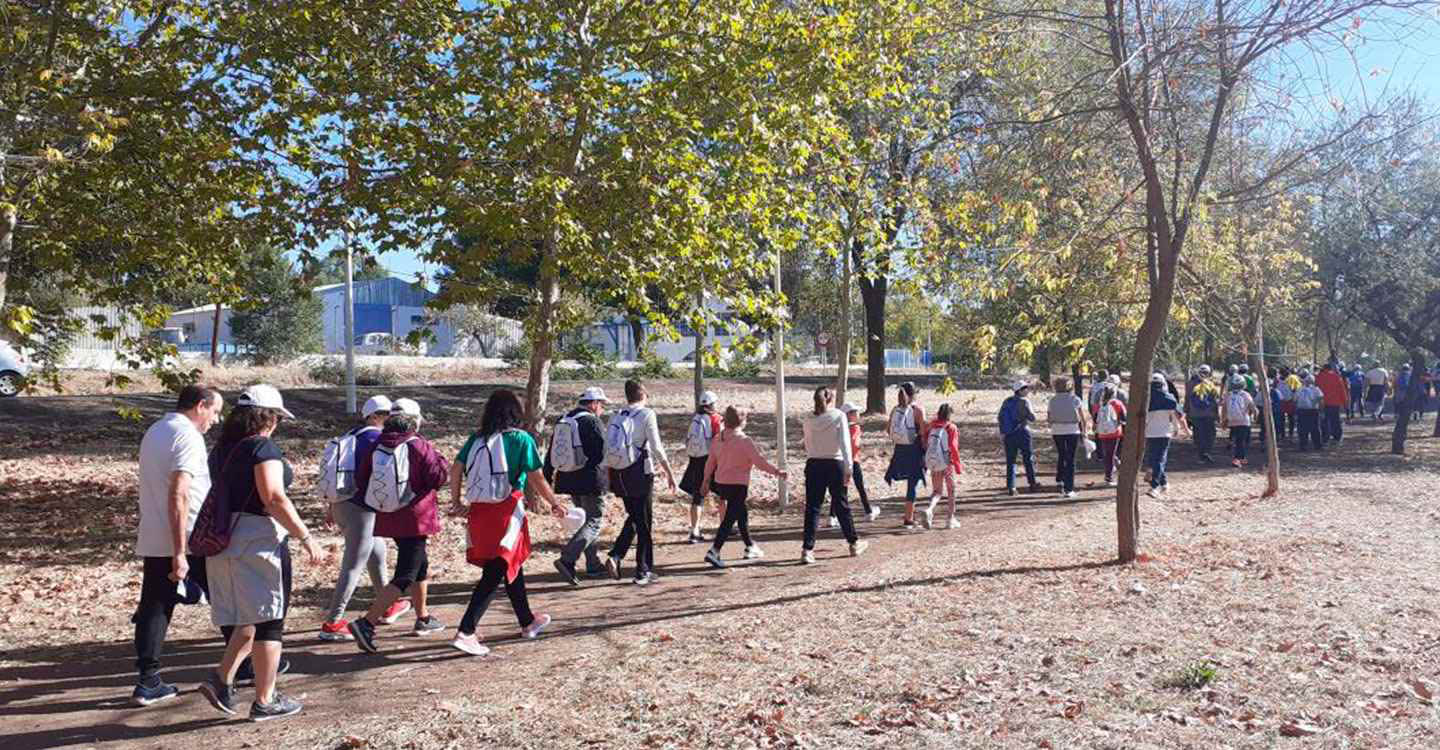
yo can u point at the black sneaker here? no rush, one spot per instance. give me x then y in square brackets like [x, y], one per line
[713, 558]
[220, 695]
[152, 690]
[283, 705]
[1011, 491]
[364, 634]
[245, 675]
[567, 572]
[612, 566]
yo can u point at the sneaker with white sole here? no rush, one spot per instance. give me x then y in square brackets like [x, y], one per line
[713, 557]
[335, 631]
[153, 690]
[858, 548]
[1070, 495]
[220, 695]
[536, 627]
[470, 644]
[280, 706]
[874, 512]
[612, 566]
[753, 552]
[428, 625]
[834, 522]
[954, 522]
[364, 634]
[396, 610]
[927, 519]
[807, 557]
[1153, 492]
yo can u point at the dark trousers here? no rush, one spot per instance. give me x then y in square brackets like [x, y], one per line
[1240, 441]
[1204, 435]
[412, 562]
[737, 513]
[639, 513]
[1109, 454]
[1017, 444]
[1310, 428]
[492, 577]
[860, 486]
[824, 475]
[1284, 422]
[1334, 429]
[1065, 447]
[157, 606]
[1157, 455]
[1357, 402]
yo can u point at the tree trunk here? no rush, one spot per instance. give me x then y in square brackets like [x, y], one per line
[1076, 380]
[215, 338]
[7, 238]
[542, 351]
[1405, 403]
[872, 294]
[1272, 445]
[699, 349]
[842, 331]
[637, 336]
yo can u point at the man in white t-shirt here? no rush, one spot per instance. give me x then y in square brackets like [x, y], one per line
[174, 479]
[1377, 381]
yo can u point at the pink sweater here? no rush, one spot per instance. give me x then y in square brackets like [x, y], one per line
[732, 454]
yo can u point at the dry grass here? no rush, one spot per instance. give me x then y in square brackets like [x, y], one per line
[1316, 611]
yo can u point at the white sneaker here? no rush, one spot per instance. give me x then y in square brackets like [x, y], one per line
[874, 512]
[1154, 492]
[1110, 483]
[954, 522]
[834, 522]
[807, 557]
[536, 627]
[928, 518]
[858, 548]
[754, 552]
[1070, 495]
[470, 644]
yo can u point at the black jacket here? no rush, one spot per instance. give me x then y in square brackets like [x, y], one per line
[590, 480]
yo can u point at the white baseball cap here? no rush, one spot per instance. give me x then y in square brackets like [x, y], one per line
[849, 408]
[1158, 377]
[407, 406]
[1018, 385]
[707, 398]
[265, 397]
[377, 404]
[594, 393]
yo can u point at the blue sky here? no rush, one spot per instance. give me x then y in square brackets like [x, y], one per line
[1386, 59]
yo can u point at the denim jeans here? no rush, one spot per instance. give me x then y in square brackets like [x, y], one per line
[1017, 444]
[1240, 441]
[1157, 453]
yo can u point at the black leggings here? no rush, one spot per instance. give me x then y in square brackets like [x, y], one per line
[492, 577]
[412, 563]
[860, 486]
[737, 513]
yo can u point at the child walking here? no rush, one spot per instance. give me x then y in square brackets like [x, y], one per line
[727, 470]
[852, 414]
[942, 458]
[704, 426]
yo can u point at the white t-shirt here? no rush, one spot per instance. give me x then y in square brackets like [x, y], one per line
[170, 445]
[1377, 376]
[1160, 423]
[1061, 414]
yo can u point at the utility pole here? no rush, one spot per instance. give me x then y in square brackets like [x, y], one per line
[699, 347]
[350, 397]
[779, 343]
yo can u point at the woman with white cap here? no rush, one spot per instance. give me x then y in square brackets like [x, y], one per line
[250, 578]
[1161, 420]
[357, 523]
[704, 426]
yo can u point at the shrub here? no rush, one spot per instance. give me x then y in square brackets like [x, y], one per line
[595, 363]
[1193, 676]
[277, 321]
[516, 353]
[741, 367]
[332, 372]
[653, 367]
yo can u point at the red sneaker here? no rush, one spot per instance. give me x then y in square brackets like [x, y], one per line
[336, 631]
[396, 611]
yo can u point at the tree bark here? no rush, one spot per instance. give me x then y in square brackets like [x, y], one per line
[699, 349]
[215, 338]
[542, 351]
[1076, 380]
[1272, 445]
[637, 336]
[872, 294]
[1405, 405]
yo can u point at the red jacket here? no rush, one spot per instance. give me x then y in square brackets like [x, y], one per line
[1333, 385]
[428, 473]
[952, 436]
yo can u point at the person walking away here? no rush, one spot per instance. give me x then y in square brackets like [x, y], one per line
[1203, 403]
[1336, 392]
[577, 445]
[1308, 402]
[355, 521]
[1402, 392]
[1377, 380]
[632, 451]
[852, 414]
[1066, 415]
[1097, 390]
[1161, 421]
[174, 479]
[908, 433]
[250, 579]
[727, 471]
[1284, 395]
[1109, 431]
[1015, 418]
[401, 481]
[491, 474]
[827, 458]
[942, 458]
[704, 426]
[1355, 380]
[1238, 413]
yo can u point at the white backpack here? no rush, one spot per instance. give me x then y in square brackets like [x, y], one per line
[937, 454]
[567, 453]
[620, 448]
[337, 468]
[1237, 408]
[389, 488]
[1107, 422]
[697, 440]
[487, 473]
[902, 425]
